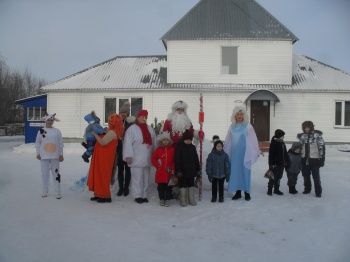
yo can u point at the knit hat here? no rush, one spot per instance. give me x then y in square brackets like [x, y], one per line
[50, 116]
[142, 113]
[296, 145]
[279, 133]
[215, 138]
[187, 135]
[125, 108]
[218, 142]
[179, 104]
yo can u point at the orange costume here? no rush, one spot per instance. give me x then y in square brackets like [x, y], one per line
[101, 166]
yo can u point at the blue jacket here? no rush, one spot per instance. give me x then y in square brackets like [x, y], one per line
[94, 126]
[218, 165]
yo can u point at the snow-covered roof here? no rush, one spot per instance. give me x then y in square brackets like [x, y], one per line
[150, 73]
[228, 19]
[310, 74]
[141, 72]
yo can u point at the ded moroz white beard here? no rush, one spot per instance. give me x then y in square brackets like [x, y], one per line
[179, 123]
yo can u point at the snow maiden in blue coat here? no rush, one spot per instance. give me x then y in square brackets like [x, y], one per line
[242, 147]
[218, 168]
[94, 124]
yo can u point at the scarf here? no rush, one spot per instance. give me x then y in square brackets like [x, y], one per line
[147, 139]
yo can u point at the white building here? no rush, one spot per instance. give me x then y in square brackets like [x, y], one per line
[231, 51]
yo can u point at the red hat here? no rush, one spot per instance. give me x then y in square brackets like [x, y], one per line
[143, 113]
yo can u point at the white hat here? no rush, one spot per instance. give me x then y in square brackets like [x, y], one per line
[50, 116]
[163, 135]
[179, 104]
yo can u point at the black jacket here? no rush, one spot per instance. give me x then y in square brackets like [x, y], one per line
[186, 160]
[278, 155]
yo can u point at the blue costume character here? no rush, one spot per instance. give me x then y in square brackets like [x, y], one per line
[242, 147]
[94, 124]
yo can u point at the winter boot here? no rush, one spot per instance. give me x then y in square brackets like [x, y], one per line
[213, 199]
[120, 191]
[269, 191]
[292, 190]
[191, 200]
[221, 199]
[247, 196]
[183, 196]
[85, 158]
[84, 145]
[161, 202]
[167, 203]
[277, 191]
[237, 195]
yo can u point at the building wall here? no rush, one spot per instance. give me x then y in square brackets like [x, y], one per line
[294, 108]
[259, 62]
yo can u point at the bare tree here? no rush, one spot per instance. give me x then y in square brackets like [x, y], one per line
[13, 86]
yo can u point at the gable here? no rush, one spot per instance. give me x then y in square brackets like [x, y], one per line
[228, 19]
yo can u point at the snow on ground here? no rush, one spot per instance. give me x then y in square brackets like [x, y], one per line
[278, 228]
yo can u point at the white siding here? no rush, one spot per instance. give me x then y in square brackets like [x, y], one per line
[297, 107]
[259, 62]
[293, 109]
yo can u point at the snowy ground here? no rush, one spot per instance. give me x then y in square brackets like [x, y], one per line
[278, 228]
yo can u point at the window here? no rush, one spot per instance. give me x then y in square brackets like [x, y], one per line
[342, 113]
[113, 104]
[35, 113]
[229, 60]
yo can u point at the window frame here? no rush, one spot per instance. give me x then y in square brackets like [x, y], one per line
[222, 72]
[119, 101]
[343, 114]
[33, 110]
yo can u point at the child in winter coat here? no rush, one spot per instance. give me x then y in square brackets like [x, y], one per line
[218, 168]
[163, 161]
[49, 150]
[313, 154]
[295, 166]
[278, 161]
[94, 124]
[187, 168]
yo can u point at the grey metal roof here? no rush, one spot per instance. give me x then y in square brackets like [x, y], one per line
[150, 73]
[228, 19]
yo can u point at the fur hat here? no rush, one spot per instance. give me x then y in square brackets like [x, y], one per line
[187, 135]
[179, 104]
[308, 124]
[218, 142]
[142, 113]
[125, 108]
[50, 116]
[163, 135]
[279, 133]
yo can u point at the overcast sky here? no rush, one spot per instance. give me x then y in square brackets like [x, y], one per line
[54, 39]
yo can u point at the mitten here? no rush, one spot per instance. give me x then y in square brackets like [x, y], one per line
[227, 176]
[210, 178]
[321, 162]
[179, 175]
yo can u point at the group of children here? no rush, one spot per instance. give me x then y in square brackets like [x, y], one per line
[306, 156]
[180, 165]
